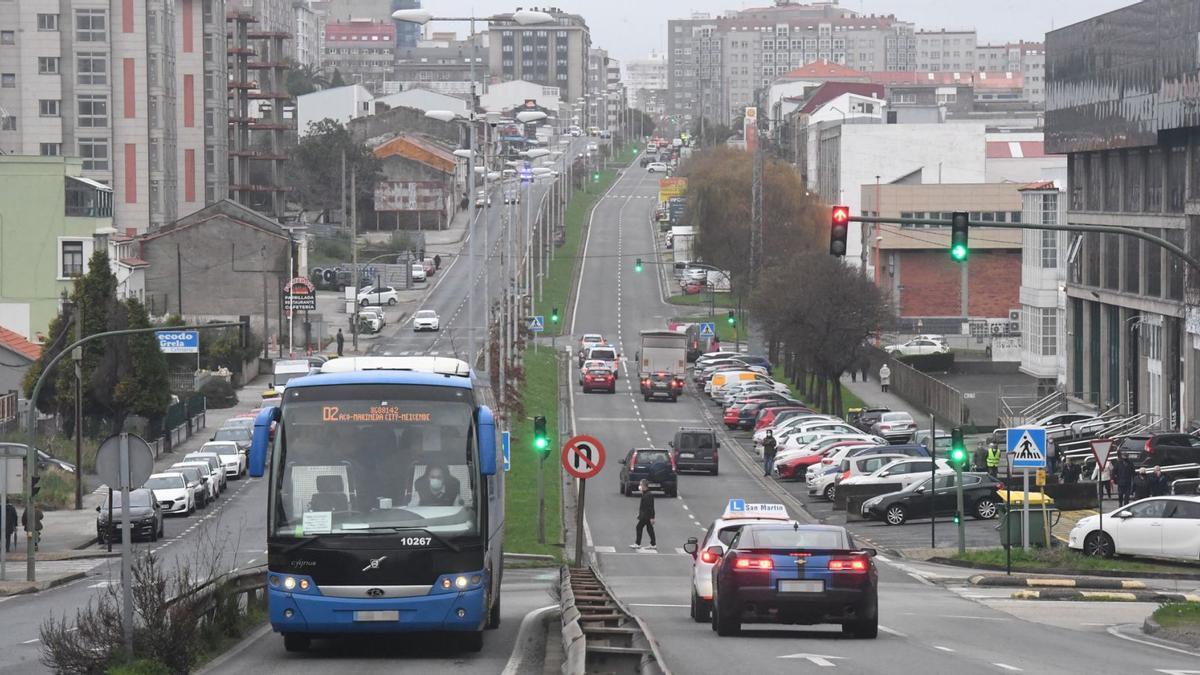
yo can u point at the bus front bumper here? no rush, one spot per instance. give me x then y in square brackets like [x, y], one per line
[309, 612]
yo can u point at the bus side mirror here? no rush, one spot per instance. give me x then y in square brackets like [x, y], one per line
[260, 442]
[487, 442]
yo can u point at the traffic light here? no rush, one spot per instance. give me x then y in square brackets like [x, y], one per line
[243, 330]
[838, 229]
[958, 450]
[731, 318]
[635, 151]
[554, 315]
[33, 485]
[637, 266]
[595, 176]
[541, 440]
[959, 247]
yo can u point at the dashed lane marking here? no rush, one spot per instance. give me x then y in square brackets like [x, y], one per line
[1005, 666]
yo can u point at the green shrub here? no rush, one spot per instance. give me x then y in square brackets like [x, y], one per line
[218, 393]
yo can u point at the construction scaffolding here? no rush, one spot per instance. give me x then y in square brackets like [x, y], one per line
[258, 96]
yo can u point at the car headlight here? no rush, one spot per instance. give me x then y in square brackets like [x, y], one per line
[872, 501]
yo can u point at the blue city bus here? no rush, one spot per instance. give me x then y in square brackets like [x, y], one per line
[385, 511]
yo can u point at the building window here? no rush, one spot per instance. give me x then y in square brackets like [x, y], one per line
[1154, 181]
[1048, 320]
[1050, 249]
[91, 25]
[49, 149]
[47, 65]
[72, 259]
[93, 111]
[47, 22]
[8, 80]
[49, 107]
[91, 68]
[8, 37]
[8, 123]
[94, 152]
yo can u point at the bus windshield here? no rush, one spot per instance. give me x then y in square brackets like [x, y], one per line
[375, 459]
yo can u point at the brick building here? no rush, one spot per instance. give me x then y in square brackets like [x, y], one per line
[914, 267]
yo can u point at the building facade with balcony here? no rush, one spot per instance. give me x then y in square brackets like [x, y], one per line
[1132, 322]
[362, 50]
[551, 54]
[1043, 282]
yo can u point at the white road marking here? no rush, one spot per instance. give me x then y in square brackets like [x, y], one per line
[945, 649]
[1005, 666]
[605, 549]
[1112, 630]
[29, 642]
[892, 631]
[680, 551]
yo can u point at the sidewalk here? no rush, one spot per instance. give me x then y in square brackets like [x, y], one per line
[871, 394]
[67, 550]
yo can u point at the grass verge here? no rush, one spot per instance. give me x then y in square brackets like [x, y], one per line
[723, 300]
[1178, 614]
[539, 396]
[1067, 560]
[849, 399]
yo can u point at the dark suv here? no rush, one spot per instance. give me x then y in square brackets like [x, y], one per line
[695, 448]
[1162, 449]
[661, 384]
[650, 464]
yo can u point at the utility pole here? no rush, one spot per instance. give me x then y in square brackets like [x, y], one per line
[354, 252]
[756, 199]
[77, 357]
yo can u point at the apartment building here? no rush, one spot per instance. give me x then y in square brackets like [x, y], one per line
[442, 64]
[946, 50]
[1043, 278]
[554, 55]
[310, 34]
[1026, 58]
[362, 50]
[134, 89]
[717, 64]
[646, 82]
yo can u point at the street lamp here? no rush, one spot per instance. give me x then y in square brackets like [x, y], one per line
[529, 116]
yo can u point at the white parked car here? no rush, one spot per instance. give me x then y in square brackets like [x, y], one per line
[917, 347]
[172, 492]
[656, 167]
[376, 312]
[426, 319]
[232, 458]
[903, 471]
[215, 464]
[211, 482]
[418, 272]
[1166, 527]
[378, 295]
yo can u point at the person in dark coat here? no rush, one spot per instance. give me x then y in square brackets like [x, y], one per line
[1160, 484]
[1070, 472]
[1141, 485]
[645, 517]
[10, 526]
[341, 341]
[770, 445]
[1123, 476]
[437, 262]
[437, 487]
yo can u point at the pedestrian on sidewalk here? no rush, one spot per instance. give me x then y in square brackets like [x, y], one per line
[1070, 472]
[437, 262]
[1103, 478]
[885, 377]
[341, 341]
[1141, 485]
[10, 526]
[1159, 483]
[770, 445]
[863, 367]
[1123, 474]
[645, 518]
[993, 460]
[854, 373]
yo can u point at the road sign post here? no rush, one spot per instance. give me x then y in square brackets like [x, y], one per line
[1102, 450]
[1027, 450]
[583, 458]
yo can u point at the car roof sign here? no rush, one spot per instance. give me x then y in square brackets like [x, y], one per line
[738, 508]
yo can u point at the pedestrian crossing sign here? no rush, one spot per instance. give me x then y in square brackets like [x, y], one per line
[1027, 448]
[537, 324]
[708, 330]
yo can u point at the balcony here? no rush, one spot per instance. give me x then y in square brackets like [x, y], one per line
[86, 198]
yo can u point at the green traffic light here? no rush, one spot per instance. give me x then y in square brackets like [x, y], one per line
[554, 316]
[958, 252]
[540, 443]
[637, 266]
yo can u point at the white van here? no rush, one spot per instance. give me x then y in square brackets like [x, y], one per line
[725, 378]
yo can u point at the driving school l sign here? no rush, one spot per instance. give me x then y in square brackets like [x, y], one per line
[583, 457]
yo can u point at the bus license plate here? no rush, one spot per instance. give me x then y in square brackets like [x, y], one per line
[801, 586]
[377, 615]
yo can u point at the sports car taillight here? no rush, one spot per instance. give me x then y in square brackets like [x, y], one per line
[753, 563]
[848, 565]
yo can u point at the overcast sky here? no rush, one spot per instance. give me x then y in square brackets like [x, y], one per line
[631, 28]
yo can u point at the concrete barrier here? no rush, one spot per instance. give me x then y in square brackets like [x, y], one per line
[843, 494]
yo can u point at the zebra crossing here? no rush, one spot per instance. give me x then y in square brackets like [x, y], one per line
[612, 550]
[614, 196]
[419, 352]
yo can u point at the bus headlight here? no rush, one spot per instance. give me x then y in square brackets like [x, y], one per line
[289, 583]
[461, 582]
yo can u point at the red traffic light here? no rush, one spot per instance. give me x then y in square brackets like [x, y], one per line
[841, 214]
[838, 230]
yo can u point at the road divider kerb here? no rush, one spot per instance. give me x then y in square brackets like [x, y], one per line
[1104, 596]
[1058, 582]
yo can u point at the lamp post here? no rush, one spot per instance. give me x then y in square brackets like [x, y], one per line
[421, 17]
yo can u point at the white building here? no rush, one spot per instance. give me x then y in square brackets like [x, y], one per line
[310, 34]
[1043, 278]
[849, 156]
[1020, 157]
[646, 75]
[424, 99]
[341, 104]
[508, 95]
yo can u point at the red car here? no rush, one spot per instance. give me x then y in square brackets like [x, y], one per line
[600, 378]
[767, 415]
[797, 467]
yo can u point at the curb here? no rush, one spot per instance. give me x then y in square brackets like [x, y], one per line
[938, 560]
[1106, 596]
[532, 559]
[39, 586]
[1058, 582]
[530, 639]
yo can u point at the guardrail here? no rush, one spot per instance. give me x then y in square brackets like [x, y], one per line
[599, 634]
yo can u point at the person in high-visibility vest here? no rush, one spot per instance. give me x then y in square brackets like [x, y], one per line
[993, 460]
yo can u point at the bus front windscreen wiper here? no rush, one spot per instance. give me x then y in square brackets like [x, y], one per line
[409, 528]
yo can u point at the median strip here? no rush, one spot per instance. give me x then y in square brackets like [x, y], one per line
[1059, 582]
[1105, 596]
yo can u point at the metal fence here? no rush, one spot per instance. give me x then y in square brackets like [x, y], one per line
[926, 393]
[8, 409]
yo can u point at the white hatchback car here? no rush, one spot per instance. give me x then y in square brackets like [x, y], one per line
[426, 319]
[378, 295]
[418, 272]
[903, 471]
[172, 492]
[656, 167]
[718, 536]
[1165, 527]
[232, 458]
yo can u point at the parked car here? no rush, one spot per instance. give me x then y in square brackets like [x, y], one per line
[695, 448]
[145, 517]
[941, 438]
[651, 464]
[197, 481]
[208, 477]
[232, 458]
[236, 432]
[868, 416]
[378, 295]
[980, 499]
[376, 312]
[903, 471]
[426, 319]
[1161, 449]
[897, 427]
[173, 492]
[917, 347]
[599, 378]
[1167, 527]
[430, 266]
[418, 272]
[851, 466]
[656, 167]
[216, 466]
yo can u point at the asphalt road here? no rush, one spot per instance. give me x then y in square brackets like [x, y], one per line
[925, 627]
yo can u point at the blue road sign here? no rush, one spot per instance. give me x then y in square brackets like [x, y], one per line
[504, 438]
[537, 324]
[708, 330]
[178, 341]
[1027, 448]
[526, 173]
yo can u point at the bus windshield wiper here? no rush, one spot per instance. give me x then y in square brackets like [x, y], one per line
[409, 528]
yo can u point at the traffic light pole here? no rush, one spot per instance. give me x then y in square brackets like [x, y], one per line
[542, 499]
[962, 532]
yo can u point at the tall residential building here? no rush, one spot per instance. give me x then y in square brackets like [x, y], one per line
[946, 50]
[407, 34]
[646, 81]
[310, 29]
[362, 50]
[597, 84]
[442, 63]
[1027, 58]
[134, 89]
[716, 65]
[548, 54]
